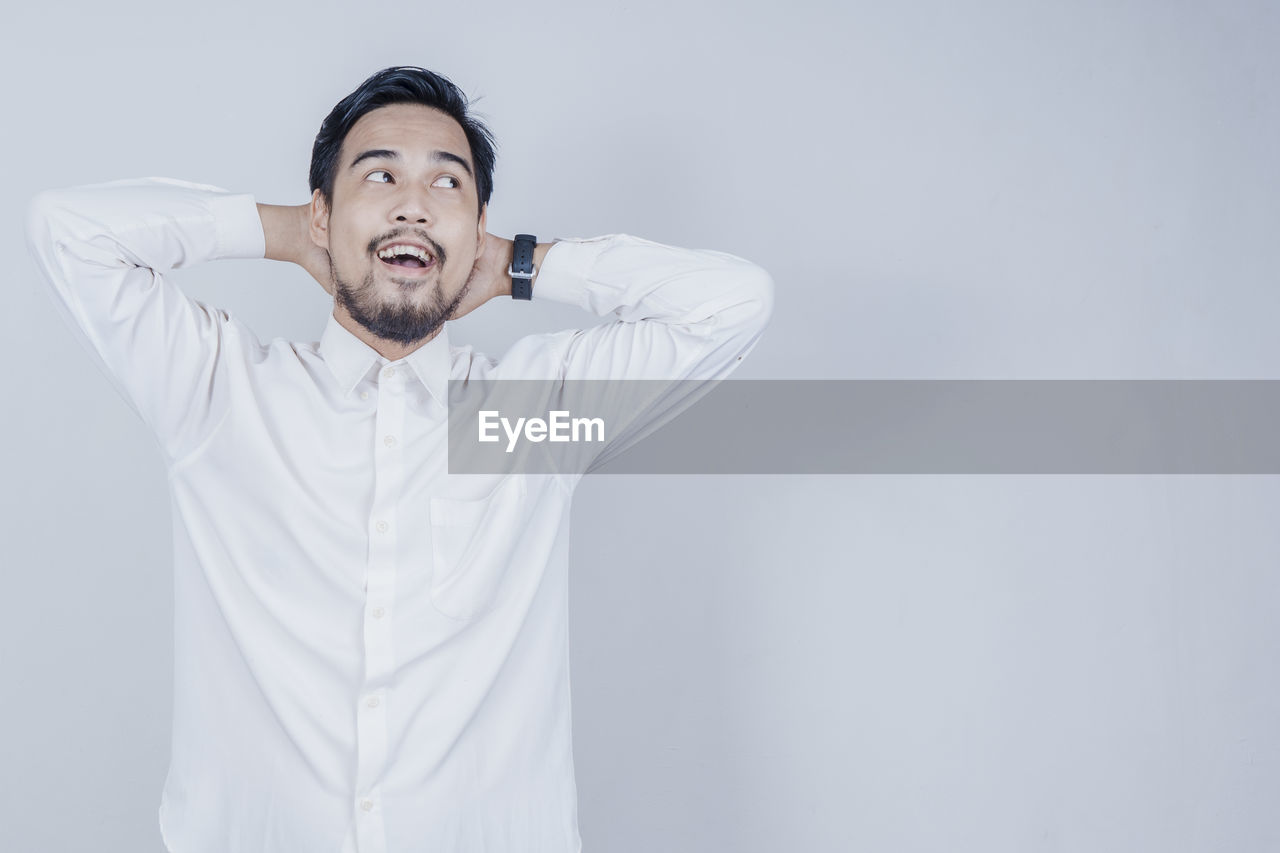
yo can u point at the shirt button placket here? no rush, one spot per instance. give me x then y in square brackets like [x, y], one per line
[380, 573]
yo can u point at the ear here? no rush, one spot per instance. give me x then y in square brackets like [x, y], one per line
[319, 221]
[481, 230]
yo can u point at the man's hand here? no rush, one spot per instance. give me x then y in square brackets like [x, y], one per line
[288, 231]
[489, 277]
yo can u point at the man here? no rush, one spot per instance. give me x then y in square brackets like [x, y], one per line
[371, 652]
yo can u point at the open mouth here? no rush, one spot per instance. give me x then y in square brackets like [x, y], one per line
[408, 264]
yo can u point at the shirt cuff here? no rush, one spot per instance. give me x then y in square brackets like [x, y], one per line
[563, 274]
[238, 225]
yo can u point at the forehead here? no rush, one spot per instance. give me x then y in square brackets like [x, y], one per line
[408, 128]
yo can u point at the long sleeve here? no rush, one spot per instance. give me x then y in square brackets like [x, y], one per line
[105, 248]
[684, 316]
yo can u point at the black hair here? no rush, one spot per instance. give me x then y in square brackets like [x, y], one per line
[402, 84]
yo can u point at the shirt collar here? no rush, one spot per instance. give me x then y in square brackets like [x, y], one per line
[350, 359]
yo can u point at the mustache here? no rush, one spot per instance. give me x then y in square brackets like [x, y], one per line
[410, 236]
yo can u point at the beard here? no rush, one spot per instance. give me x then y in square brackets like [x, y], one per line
[400, 320]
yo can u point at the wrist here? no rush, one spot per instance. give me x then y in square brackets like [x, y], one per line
[539, 254]
[278, 230]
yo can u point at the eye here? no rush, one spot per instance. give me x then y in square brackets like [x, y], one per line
[456, 182]
[378, 172]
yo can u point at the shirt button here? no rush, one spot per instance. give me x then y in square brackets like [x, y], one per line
[389, 441]
[383, 527]
[389, 372]
[367, 805]
[372, 701]
[379, 612]
[364, 395]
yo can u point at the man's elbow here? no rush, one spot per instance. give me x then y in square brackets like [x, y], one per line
[753, 302]
[761, 286]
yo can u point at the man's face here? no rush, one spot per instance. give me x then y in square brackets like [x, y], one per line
[421, 193]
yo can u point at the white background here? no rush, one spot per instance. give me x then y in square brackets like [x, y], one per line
[940, 190]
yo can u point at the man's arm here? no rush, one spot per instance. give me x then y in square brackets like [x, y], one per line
[287, 232]
[684, 316]
[105, 251]
[489, 278]
[716, 303]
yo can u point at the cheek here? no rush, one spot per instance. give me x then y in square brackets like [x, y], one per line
[351, 260]
[466, 255]
[460, 242]
[355, 251]
[348, 237]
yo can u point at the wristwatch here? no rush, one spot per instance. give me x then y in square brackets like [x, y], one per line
[522, 269]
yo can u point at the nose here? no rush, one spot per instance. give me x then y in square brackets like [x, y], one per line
[412, 205]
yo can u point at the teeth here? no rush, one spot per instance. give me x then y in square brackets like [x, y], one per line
[398, 249]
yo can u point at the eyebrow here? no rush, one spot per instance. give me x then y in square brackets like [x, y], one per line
[437, 156]
[388, 154]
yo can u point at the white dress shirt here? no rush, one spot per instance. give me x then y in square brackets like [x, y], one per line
[371, 654]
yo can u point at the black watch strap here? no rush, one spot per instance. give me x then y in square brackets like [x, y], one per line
[522, 269]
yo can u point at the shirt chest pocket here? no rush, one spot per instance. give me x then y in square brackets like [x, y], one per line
[473, 543]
